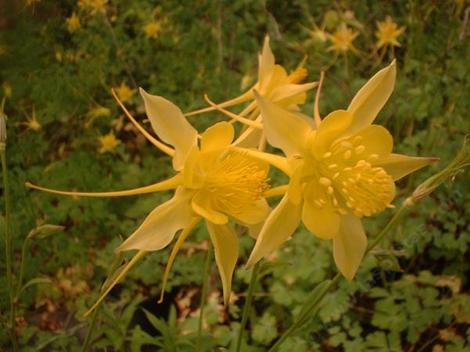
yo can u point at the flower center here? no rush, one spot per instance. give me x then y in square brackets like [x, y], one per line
[345, 179]
[234, 181]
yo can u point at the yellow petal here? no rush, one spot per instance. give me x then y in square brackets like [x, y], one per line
[331, 128]
[156, 187]
[192, 176]
[164, 148]
[160, 226]
[248, 95]
[266, 65]
[370, 99]
[253, 213]
[217, 136]
[174, 251]
[249, 138]
[171, 126]
[279, 226]
[225, 242]
[283, 129]
[376, 139]
[286, 91]
[322, 222]
[202, 206]
[398, 165]
[349, 246]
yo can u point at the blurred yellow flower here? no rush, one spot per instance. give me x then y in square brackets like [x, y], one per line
[108, 143]
[340, 171]
[152, 29]
[73, 23]
[93, 6]
[124, 92]
[3, 49]
[342, 40]
[7, 90]
[98, 111]
[387, 33]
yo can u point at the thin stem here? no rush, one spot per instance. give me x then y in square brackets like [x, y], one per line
[89, 334]
[205, 284]
[23, 256]
[247, 306]
[8, 247]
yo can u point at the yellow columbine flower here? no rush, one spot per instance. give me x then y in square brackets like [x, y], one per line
[124, 92]
[273, 83]
[108, 143]
[213, 183]
[342, 40]
[152, 29]
[387, 33]
[73, 23]
[340, 171]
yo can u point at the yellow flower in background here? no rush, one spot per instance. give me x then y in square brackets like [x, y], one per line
[7, 90]
[108, 142]
[3, 49]
[342, 40]
[73, 23]
[124, 92]
[214, 183]
[341, 169]
[94, 6]
[387, 33]
[273, 82]
[152, 29]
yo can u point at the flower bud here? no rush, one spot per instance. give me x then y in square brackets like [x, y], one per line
[44, 231]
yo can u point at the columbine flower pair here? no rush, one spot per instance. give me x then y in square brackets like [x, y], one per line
[341, 169]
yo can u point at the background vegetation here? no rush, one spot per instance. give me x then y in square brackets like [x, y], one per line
[58, 61]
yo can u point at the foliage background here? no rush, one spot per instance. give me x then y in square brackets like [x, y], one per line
[412, 295]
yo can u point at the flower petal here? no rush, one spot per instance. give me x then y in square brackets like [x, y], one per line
[202, 206]
[170, 125]
[279, 226]
[283, 129]
[253, 213]
[370, 99]
[160, 226]
[376, 139]
[218, 136]
[331, 128]
[398, 165]
[349, 246]
[266, 65]
[322, 222]
[225, 242]
[286, 91]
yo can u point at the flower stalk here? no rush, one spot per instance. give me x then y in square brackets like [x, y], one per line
[7, 229]
[247, 306]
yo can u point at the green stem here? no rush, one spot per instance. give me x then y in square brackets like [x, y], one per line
[23, 256]
[8, 247]
[314, 306]
[89, 334]
[205, 284]
[247, 306]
